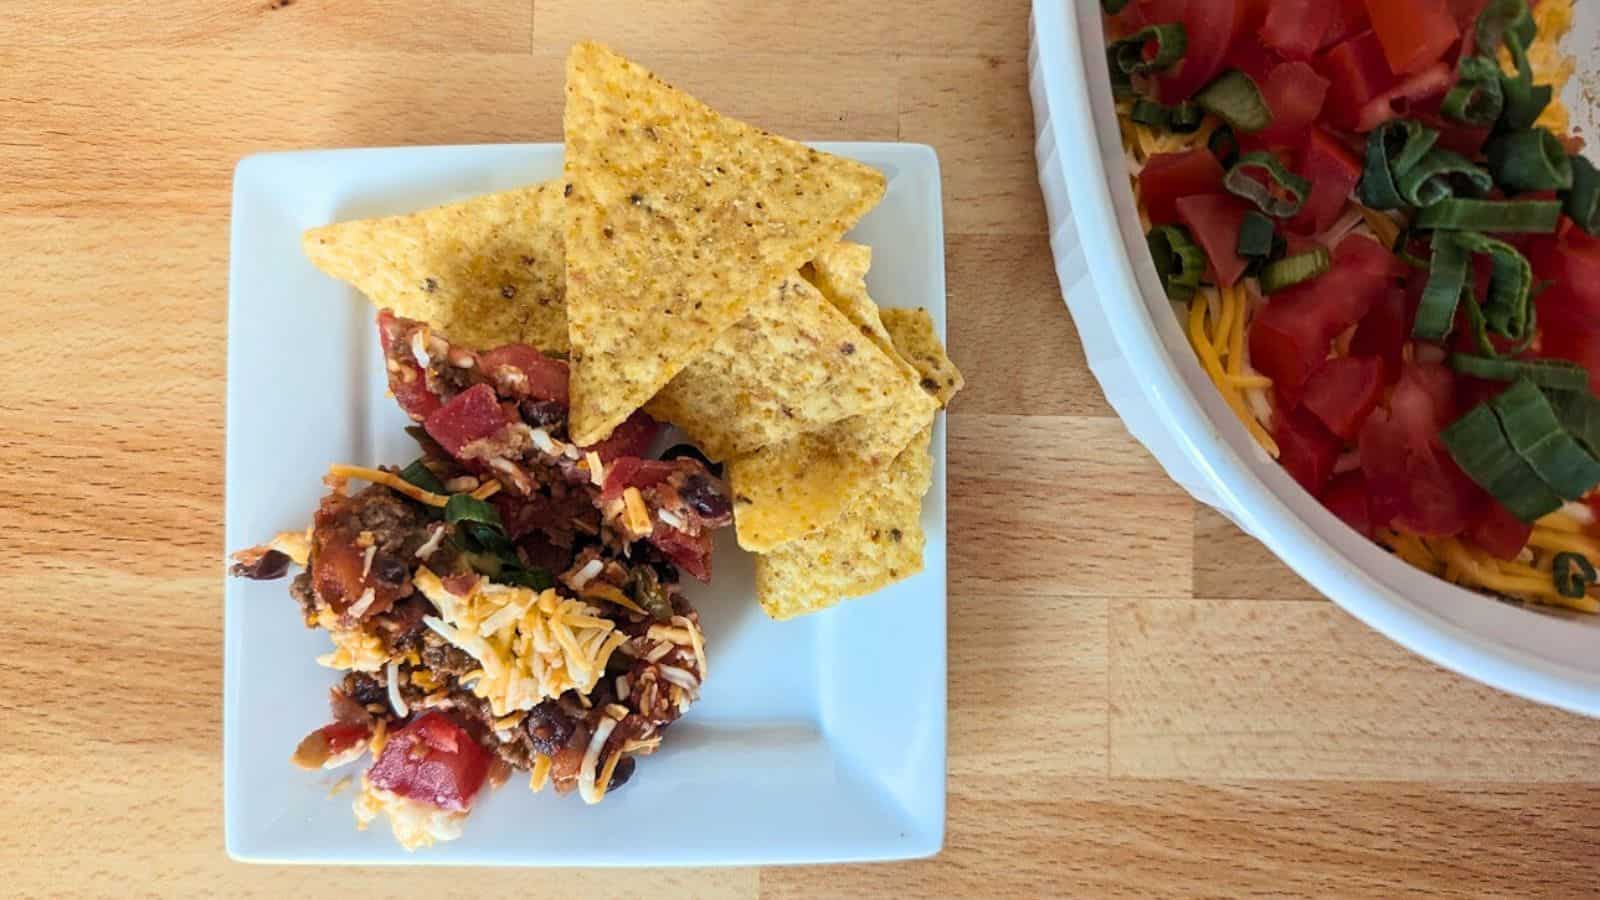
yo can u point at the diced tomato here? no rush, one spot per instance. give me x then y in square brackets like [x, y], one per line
[1382, 334]
[1296, 28]
[1499, 533]
[1252, 58]
[1168, 177]
[470, 415]
[1333, 170]
[1343, 391]
[1571, 262]
[339, 570]
[1414, 33]
[1465, 13]
[690, 552]
[1305, 448]
[1357, 72]
[1294, 92]
[1412, 483]
[1417, 94]
[434, 761]
[1214, 220]
[632, 438]
[1466, 140]
[342, 736]
[1290, 336]
[406, 380]
[1211, 27]
[1346, 497]
[631, 471]
[543, 378]
[1349, 18]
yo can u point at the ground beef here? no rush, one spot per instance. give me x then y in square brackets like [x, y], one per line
[364, 689]
[446, 659]
[300, 590]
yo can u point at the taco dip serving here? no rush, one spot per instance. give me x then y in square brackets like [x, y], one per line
[625, 422]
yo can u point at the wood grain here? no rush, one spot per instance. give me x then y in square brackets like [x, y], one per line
[1143, 702]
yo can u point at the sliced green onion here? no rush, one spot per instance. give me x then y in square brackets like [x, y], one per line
[1179, 262]
[1185, 118]
[1224, 145]
[1480, 447]
[1505, 20]
[1477, 98]
[1521, 216]
[1582, 203]
[647, 592]
[1393, 148]
[1579, 412]
[1530, 160]
[1235, 99]
[423, 477]
[467, 508]
[1440, 175]
[1553, 374]
[1537, 436]
[1506, 307]
[1293, 270]
[1572, 573]
[1280, 193]
[1129, 53]
[1447, 281]
[1256, 235]
[1148, 112]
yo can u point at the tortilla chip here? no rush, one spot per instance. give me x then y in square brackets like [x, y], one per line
[793, 364]
[840, 272]
[919, 345]
[487, 271]
[877, 542]
[787, 491]
[678, 219]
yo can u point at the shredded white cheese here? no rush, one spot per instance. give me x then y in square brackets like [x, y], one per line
[591, 760]
[396, 702]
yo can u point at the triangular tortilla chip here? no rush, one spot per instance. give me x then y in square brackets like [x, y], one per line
[918, 344]
[840, 272]
[486, 271]
[677, 220]
[793, 364]
[878, 541]
[787, 491]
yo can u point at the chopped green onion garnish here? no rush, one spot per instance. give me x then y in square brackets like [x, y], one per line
[467, 508]
[1393, 148]
[1582, 203]
[1224, 145]
[1256, 235]
[1572, 573]
[536, 578]
[1148, 112]
[1476, 98]
[1506, 308]
[1293, 270]
[423, 477]
[1536, 434]
[1179, 262]
[1170, 42]
[1235, 99]
[1530, 160]
[1522, 216]
[1579, 412]
[1480, 447]
[1279, 193]
[1504, 20]
[1554, 374]
[1439, 175]
[1447, 281]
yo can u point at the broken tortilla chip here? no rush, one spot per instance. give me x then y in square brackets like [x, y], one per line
[840, 272]
[793, 364]
[878, 541]
[486, 271]
[919, 345]
[677, 220]
[786, 491]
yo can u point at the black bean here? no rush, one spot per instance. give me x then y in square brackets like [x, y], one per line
[705, 497]
[389, 569]
[548, 727]
[622, 773]
[272, 564]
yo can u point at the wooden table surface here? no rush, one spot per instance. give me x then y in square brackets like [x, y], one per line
[1142, 702]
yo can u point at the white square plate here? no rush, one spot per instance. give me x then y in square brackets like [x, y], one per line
[816, 740]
